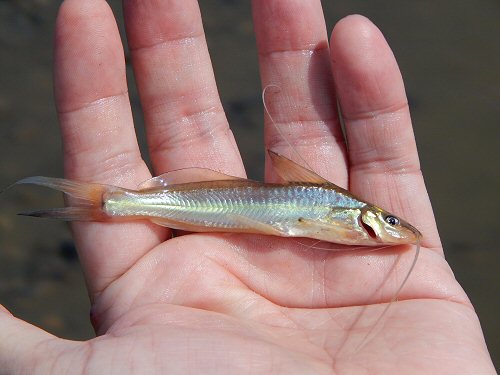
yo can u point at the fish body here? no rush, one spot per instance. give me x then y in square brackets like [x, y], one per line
[305, 205]
[292, 210]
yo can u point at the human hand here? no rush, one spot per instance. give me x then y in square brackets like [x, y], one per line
[214, 303]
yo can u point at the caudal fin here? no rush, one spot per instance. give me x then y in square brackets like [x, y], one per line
[86, 205]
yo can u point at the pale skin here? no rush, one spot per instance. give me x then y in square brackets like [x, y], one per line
[244, 304]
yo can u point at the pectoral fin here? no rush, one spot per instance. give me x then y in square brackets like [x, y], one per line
[247, 225]
[255, 226]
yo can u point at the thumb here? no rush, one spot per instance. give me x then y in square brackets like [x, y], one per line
[25, 348]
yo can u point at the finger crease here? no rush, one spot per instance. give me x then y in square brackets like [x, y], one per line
[177, 40]
[105, 100]
[367, 115]
[394, 166]
[313, 48]
[194, 127]
[114, 165]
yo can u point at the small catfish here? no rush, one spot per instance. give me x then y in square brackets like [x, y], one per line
[203, 200]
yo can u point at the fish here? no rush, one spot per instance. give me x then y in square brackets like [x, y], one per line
[204, 200]
[304, 204]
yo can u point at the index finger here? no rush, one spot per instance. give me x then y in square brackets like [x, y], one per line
[98, 134]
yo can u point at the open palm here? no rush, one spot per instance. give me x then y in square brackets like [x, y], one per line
[233, 303]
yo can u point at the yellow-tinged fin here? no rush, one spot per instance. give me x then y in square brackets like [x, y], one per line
[86, 207]
[290, 171]
[184, 176]
[337, 224]
[258, 226]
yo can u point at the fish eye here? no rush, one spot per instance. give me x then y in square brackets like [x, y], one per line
[391, 220]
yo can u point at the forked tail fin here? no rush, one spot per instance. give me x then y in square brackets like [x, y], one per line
[87, 204]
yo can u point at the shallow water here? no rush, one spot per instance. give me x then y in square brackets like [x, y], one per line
[449, 55]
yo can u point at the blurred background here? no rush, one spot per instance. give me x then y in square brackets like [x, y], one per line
[449, 54]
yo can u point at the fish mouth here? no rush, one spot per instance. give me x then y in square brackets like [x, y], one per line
[414, 230]
[415, 233]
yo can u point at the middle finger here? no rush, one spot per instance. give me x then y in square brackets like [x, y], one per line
[294, 59]
[185, 123]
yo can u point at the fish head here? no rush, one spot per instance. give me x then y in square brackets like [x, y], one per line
[386, 228]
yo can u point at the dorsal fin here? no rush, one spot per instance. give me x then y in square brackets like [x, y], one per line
[184, 176]
[290, 171]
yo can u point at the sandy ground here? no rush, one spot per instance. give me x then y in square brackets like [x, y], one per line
[449, 55]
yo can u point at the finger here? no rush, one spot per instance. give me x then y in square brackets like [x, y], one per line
[294, 56]
[384, 165]
[185, 122]
[24, 346]
[98, 133]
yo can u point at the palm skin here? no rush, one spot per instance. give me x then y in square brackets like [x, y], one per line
[234, 303]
